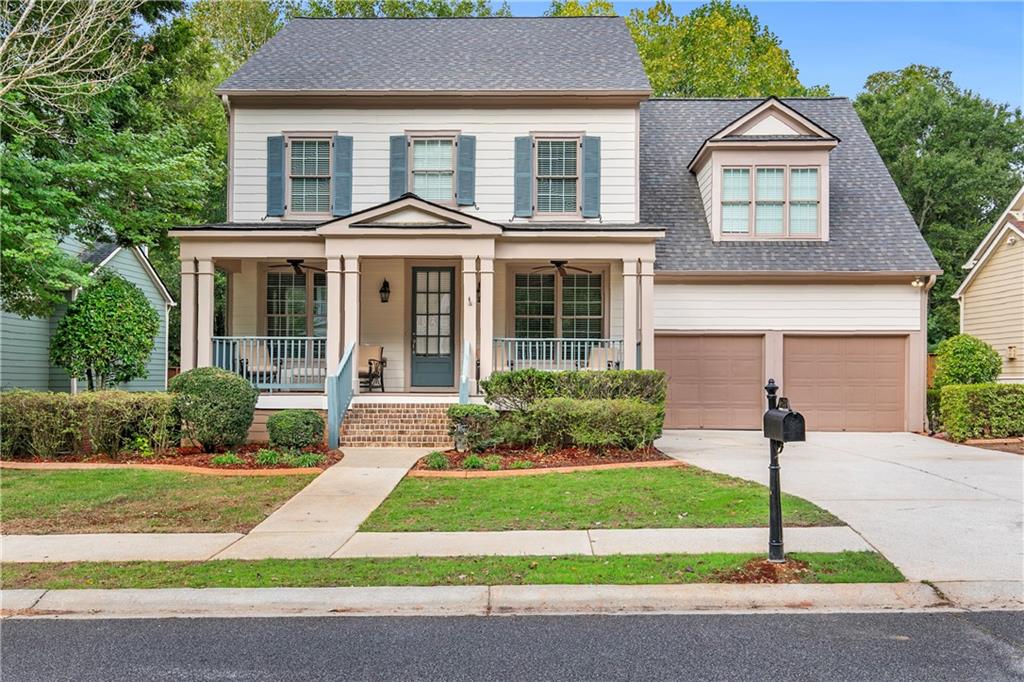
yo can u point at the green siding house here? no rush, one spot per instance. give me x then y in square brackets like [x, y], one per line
[25, 343]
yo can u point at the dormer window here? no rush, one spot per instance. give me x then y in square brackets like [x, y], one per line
[765, 176]
[770, 202]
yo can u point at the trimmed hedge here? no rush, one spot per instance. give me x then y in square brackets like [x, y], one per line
[38, 423]
[965, 359]
[471, 426]
[116, 421]
[982, 410]
[625, 423]
[295, 429]
[48, 425]
[519, 389]
[216, 406]
[933, 413]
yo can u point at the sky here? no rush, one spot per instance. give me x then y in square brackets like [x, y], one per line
[841, 43]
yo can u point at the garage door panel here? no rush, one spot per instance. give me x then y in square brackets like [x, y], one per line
[713, 381]
[846, 383]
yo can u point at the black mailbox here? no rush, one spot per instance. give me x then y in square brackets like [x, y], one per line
[784, 426]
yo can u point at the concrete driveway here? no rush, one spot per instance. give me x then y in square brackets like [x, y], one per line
[939, 511]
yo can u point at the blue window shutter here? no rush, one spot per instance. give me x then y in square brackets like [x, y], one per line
[275, 175]
[399, 165]
[466, 189]
[524, 177]
[342, 175]
[591, 177]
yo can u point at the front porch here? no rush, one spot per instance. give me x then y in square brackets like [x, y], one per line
[413, 301]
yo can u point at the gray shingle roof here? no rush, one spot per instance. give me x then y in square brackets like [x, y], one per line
[98, 253]
[470, 54]
[870, 228]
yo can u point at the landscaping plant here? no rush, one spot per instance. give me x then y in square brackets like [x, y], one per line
[598, 424]
[519, 389]
[303, 460]
[114, 421]
[982, 410]
[965, 359]
[473, 462]
[471, 426]
[437, 461]
[216, 406]
[295, 429]
[39, 423]
[107, 334]
[226, 459]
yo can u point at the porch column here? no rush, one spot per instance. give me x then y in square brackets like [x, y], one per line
[629, 313]
[351, 327]
[486, 317]
[647, 313]
[334, 314]
[469, 319]
[204, 312]
[188, 314]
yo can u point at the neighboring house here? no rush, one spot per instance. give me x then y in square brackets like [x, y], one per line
[462, 196]
[992, 295]
[25, 342]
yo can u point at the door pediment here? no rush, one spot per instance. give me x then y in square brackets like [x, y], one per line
[409, 215]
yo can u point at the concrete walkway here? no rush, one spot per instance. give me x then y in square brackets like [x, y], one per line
[597, 542]
[327, 512]
[939, 511]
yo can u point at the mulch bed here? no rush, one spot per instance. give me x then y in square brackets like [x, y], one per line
[1014, 446]
[557, 458]
[762, 571]
[187, 456]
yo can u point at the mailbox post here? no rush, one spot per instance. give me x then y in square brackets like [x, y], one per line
[781, 425]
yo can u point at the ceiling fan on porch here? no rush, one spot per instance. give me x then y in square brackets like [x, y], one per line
[561, 266]
[296, 264]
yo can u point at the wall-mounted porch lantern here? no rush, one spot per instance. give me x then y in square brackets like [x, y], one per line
[385, 292]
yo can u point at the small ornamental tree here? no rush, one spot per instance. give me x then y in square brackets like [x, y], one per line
[965, 359]
[107, 335]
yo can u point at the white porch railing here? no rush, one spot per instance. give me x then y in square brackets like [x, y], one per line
[274, 363]
[557, 354]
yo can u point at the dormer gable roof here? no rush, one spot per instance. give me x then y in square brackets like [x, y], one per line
[770, 123]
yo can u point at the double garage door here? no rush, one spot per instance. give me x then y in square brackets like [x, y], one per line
[839, 383]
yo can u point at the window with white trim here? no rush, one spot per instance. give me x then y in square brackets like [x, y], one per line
[771, 201]
[309, 175]
[432, 166]
[296, 303]
[549, 306]
[736, 200]
[558, 175]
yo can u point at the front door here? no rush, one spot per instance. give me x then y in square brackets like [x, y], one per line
[433, 343]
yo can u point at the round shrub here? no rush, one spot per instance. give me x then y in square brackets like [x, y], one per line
[295, 429]
[471, 426]
[216, 406]
[965, 359]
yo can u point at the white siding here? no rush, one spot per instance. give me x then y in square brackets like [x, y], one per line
[245, 287]
[495, 130]
[384, 324]
[793, 307]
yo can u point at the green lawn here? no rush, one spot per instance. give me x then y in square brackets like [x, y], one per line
[138, 501]
[653, 569]
[685, 497]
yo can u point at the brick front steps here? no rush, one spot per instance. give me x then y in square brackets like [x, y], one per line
[382, 425]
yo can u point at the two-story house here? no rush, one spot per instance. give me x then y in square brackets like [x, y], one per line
[440, 199]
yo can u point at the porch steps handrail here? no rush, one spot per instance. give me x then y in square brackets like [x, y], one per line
[467, 351]
[339, 396]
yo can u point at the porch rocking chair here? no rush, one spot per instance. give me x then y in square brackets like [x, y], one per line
[371, 367]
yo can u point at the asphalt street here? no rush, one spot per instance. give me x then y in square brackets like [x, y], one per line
[897, 646]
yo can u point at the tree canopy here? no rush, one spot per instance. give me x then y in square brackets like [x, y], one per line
[717, 50]
[957, 159]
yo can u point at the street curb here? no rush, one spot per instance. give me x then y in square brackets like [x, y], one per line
[474, 600]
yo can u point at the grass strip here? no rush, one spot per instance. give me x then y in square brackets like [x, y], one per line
[684, 497]
[648, 569]
[138, 501]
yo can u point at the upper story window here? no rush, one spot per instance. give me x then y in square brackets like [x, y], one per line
[432, 166]
[309, 176]
[558, 176]
[771, 201]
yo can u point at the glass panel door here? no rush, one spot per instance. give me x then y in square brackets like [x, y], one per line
[433, 325]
